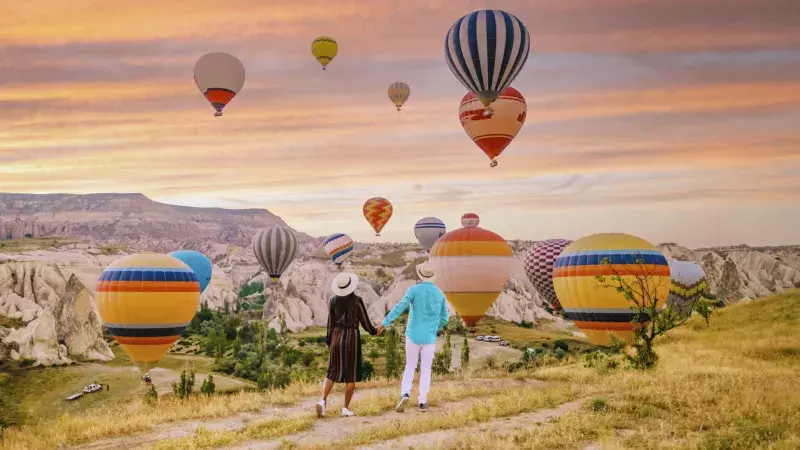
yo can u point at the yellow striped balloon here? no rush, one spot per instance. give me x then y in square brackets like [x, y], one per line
[398, 93]
[602, 311]
[146, 300]
[472, 265]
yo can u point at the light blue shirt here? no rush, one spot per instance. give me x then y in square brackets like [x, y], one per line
[428, 312]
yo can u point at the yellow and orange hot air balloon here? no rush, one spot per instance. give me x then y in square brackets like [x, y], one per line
[146, 300]
[493, 133]
[472, 265]
[602, 311]
[377, 211]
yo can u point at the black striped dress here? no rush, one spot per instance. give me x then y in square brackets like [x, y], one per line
[344, 339]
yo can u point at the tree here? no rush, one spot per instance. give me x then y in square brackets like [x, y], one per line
[151, 396]
[208, 385]
[390, 344]
[284, 329]
[465, 354]
[652, 318]
[443, 359]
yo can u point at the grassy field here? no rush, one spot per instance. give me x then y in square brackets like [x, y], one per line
[543, 333]
[22, 245]
[730, 385]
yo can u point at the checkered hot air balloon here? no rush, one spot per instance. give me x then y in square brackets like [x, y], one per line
[689, 284]
[486, 50]
[219, 76]
[494, 133]
[601, 311]
[377, 211]
[146, 300]
[275, 248]
[539, 262]
[338, 246]
[472, 265]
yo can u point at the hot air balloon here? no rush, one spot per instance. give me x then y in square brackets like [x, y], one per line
[688, 285]
[146, 300]
[324, 48]
[493, 133]
[199, 263]
[377, 211]
[338, 246]
[539, 263]
[472, 265]
[470, 220]
[398, 93]
[602, 311]
[275, 248]
[219, 76]
[486, 50]
[428, 230]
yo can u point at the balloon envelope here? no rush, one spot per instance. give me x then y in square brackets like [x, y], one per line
[689, 284]
[472, 265]
[275, 248]
[338, 246]
[146, 300]
[486, 50]
[494, 133]
[539, 262]
[399, 93]
[377, 211]
[199, 263]
[324, 48]
[470, 220]
[219, 76]
[602, 311]
[428, 230]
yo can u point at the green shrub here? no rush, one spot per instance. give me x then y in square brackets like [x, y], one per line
[560, 353]
[208, 385]
[183, 389]
[561, 344]
[598, 404]
[151, 396]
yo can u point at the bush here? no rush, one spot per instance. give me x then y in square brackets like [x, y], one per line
[307, 358]
[274, 378]
[390, 349]
[598, 404]
[183, 389]
[366, 370]
[599, 360]
[208, 385]
[465, 353]
[561, 344]
[151, 396]
[525, 324]
[560, 353]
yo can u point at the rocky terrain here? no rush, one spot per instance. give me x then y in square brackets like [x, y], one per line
[47, 289]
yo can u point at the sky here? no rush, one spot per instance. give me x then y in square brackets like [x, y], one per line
[673, 120]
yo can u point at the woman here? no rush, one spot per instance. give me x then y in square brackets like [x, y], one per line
[346, 312]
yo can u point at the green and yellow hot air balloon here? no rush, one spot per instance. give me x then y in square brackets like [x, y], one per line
[602, 311]
[146, 300]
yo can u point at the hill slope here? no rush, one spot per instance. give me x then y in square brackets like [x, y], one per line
[731, 385]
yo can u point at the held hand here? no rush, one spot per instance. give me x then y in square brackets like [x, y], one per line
[380, 329]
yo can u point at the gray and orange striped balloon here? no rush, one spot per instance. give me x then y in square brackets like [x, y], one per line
[398, 93]
[275, 248]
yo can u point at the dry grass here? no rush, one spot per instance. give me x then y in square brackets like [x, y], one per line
[22, 245]
[733, 385]
[263, 430]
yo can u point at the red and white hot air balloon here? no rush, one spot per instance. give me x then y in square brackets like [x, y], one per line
[493, 133]
[470, 220]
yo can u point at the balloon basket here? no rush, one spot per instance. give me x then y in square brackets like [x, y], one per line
[377, 234]
[323, 67]
[217, 114]
[488, 112]
[493, 163]
[398, 108]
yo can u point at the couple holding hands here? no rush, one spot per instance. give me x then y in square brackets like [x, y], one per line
[427, 316]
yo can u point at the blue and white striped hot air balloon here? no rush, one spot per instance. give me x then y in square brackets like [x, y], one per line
[486, 50]
[338, 246]
[428, 230]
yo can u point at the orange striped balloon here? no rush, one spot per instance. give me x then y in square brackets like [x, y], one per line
[472, 265]
[377, 211]
[493, 133]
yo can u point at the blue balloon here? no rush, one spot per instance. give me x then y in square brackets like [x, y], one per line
[198, 262]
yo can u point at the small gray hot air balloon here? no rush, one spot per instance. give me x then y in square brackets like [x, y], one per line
[275, 248]
[428, 230]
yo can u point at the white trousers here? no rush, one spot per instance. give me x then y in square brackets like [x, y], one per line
[413, 353]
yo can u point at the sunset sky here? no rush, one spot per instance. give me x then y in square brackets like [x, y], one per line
[674, 120]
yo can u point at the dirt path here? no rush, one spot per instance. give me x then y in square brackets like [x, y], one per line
[506, 425]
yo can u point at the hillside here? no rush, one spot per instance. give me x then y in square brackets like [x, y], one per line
[712, 389]
[128, 219]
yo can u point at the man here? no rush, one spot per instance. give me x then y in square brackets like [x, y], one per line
[428, 315]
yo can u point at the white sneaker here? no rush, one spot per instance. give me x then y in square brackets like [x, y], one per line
[320, 407]
[347, 413]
